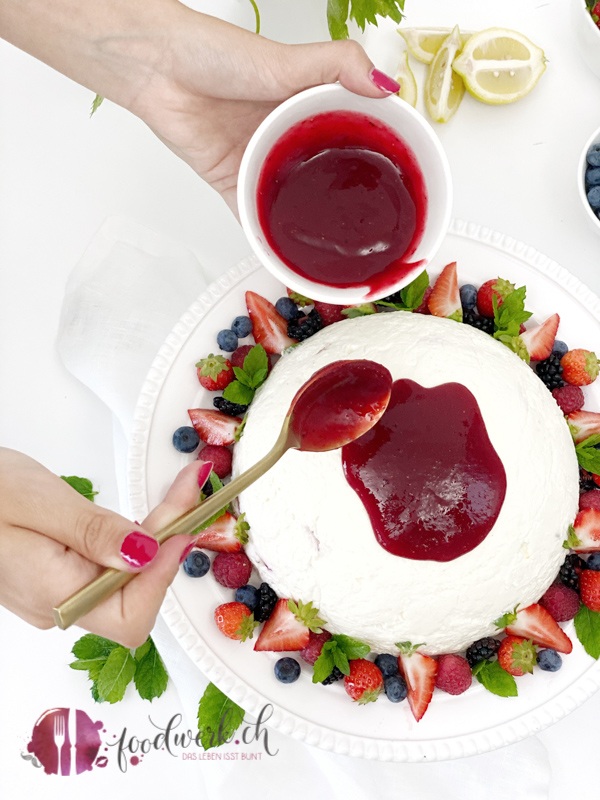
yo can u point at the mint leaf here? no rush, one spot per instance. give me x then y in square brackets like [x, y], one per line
[237, 392]
[218, 717]
[353, 648]
[242, 377]
[495, 679]
[256, 360]
[587, 454]
[337, 652]
[81, 485]
[324, 664]
[340, 659]
[216, 484]
[510, 315]
[337, 14]
[587, 628]
[116, 674]
[92, 646]
[412, 295]
[151, 677]
[363, 310]
[254, 373]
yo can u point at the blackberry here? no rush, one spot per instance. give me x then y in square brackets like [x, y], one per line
[304, 327]
[485, 324]
[396, 297]
[207, 489]
[569, 572]
[550, 372]
[266, 603]
[586, 482]
[335, 675]
[229, 408]
[481, 650]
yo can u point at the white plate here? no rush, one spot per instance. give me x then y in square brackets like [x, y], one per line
[453, 727]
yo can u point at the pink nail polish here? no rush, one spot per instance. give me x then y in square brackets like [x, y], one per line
[204, 473]
[138, 549]
[384, 82]
[186, 551]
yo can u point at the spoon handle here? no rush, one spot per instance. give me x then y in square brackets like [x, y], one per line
[109, 581]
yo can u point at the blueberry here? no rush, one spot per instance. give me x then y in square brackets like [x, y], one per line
[593, 197]
[395, 688]
[185, 439]
[592, 177]
[196, 564]
[468, 296]
[287, 670]
[593, 562]
[227, 340]
[242, 327]
[388, 664]
[593, 156]
[549, 660]
[560, 348]
[248, 595]
[287, 308]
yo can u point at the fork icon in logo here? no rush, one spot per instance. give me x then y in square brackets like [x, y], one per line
[59, 740]
[65, 741]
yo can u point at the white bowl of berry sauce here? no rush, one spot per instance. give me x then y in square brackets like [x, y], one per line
[588, 179]
[584, 17]
[344, 198]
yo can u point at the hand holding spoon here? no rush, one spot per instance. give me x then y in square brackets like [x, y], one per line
[335, 406]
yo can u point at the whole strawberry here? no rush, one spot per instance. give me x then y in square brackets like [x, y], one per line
[496, 287]
[517, 655]
[365, 681]
[579, 367]
[235, 620]
[215, 372]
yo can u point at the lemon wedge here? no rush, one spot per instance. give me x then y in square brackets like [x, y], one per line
[406, 79]
[444, 88]
[423, 43]
[499, 65]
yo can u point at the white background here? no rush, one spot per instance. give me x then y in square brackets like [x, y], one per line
[62, 174]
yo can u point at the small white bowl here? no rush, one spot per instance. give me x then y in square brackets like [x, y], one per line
[581, 186]
[587, 35]
[409, 126]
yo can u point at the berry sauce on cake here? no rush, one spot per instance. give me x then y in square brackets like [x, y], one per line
[321, 535]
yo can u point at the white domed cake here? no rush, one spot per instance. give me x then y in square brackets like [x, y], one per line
[451, 514]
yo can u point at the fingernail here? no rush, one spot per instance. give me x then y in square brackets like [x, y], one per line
[384, 82]
[186, 551]
[204, 473]
[138, 549]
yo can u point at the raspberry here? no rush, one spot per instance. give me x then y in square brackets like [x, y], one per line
[569, 398]
[312, 651]
[220, 457]
[590, 499]
[232, 569]
[453, 675]
[561, 602]
[238, 356]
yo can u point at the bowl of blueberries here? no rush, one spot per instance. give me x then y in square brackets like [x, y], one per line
[588, 177]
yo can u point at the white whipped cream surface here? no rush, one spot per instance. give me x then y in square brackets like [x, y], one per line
[311, 537]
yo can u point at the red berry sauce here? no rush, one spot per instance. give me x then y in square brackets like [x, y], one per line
[341, 200]
[427, 473]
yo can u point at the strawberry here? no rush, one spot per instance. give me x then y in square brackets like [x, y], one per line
[215, 372]
[496, 287]
[589, 584]
[226, 535]
[424, 307]
[219, 456]
[213, 427]
[517, 655]
[364, 682]
[329, 312]
[580, 367]
[583, 424]
[537, 624]
[539, 340]
[585, 533]
[444, 300]
[289, 626]
[235, 620]
[569, 398]
[419, 672]
[268, 326]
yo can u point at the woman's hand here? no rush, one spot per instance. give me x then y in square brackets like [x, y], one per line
[53, 541]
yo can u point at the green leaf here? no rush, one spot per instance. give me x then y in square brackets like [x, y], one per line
[363, 310]
[256, 360]
[587, 454]
[412, 295]
[506, 619]
[259, 377]
[495, 679]
[337, 15]
[94, 690]
[116, 674]
[587, 628]
[218, 717]
[81, 485]
[324, 664]
[364, 11]
[151, 677]
[340, 659]
[353, 648]
[242, 376]
[236, 392]
[572, 541]
[91, 646]
[141, 651]
[96, 103]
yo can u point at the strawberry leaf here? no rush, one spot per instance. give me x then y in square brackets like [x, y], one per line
[587, 628]
[495, 679]
[506, 619]
[572, 541]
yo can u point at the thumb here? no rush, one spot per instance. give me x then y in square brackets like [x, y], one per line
[307, 65]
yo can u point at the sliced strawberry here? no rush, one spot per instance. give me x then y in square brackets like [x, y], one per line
[539, 340]
[226, 535]
[583, 424]
[585, 536]
[444, 300]
[419, 672]
[537, 624]
[213, 427]
[289, 626]
[268, 326]
[589, 583]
